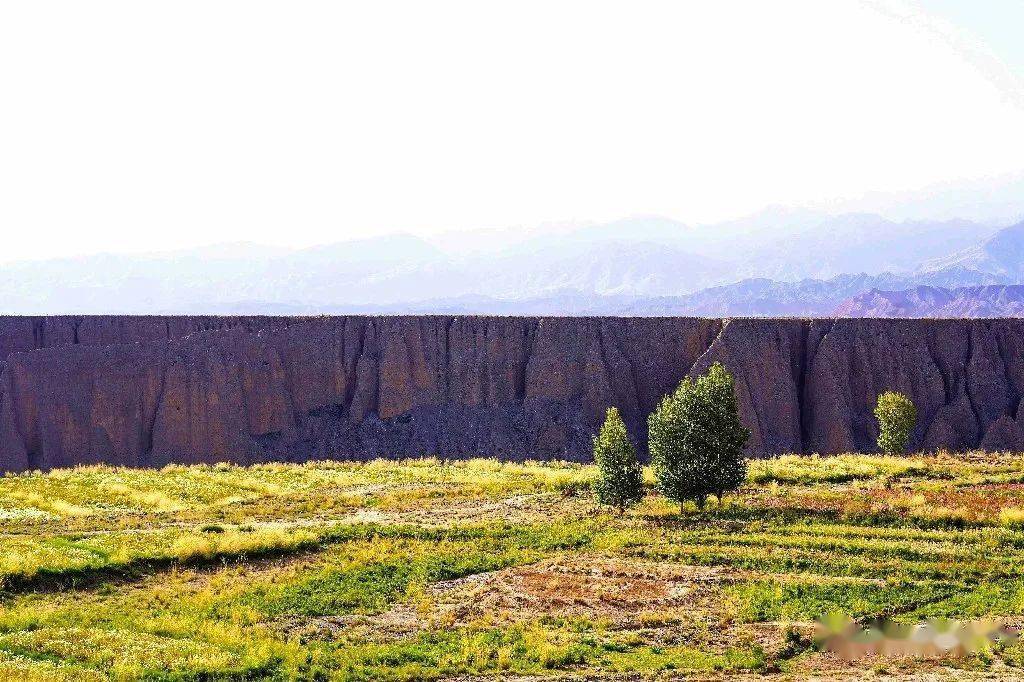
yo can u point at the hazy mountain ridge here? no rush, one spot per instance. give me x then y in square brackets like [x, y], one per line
[978, 277]
[778, 262]
[1001, 256]
[926, 301]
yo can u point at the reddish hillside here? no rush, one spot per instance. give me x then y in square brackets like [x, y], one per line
[252, 389]
[924, 301]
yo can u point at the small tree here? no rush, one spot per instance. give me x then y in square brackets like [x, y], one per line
[621, 482]
[696, 439]
[896, 417]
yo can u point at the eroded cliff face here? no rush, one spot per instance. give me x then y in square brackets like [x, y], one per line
[147, 391]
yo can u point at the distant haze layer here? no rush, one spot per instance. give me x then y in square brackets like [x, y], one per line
[777, 262]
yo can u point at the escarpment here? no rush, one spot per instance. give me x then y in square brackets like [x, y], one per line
[146, 391]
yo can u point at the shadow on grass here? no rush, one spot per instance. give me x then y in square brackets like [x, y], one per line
[89, 577]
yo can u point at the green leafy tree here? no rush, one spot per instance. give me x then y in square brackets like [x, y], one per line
[696, 439]
[896, 417]
[621, 480]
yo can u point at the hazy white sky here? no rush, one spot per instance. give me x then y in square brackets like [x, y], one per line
[138, 125]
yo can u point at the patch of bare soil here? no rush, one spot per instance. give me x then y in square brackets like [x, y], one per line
[578, 585]
[667, 601]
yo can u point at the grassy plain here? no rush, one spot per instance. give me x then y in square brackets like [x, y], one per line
[425, 569]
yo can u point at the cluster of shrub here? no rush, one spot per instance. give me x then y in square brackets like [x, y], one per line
[696, 440]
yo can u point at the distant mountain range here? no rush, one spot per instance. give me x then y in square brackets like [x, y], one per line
[777, 262]
[925, 301]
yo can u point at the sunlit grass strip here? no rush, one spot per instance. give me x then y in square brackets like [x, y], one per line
[835, 469]
[885, 548]
[37, 560]
[126, 654]
[532, 648]
[50, 669]
[825, 563]
[103, 490]
[900, 533]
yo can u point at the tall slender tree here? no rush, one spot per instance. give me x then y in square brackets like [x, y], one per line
[620, 483]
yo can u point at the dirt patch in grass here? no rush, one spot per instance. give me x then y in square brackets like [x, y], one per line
[590, 586]
[621, 592]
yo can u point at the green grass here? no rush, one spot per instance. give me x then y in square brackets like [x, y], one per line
[370, 575]
[839, 469]
[427, 569]
[808, 598]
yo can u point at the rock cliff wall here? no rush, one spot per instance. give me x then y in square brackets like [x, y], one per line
[146, 391]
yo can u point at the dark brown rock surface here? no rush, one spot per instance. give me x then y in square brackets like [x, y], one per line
[145, 391]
